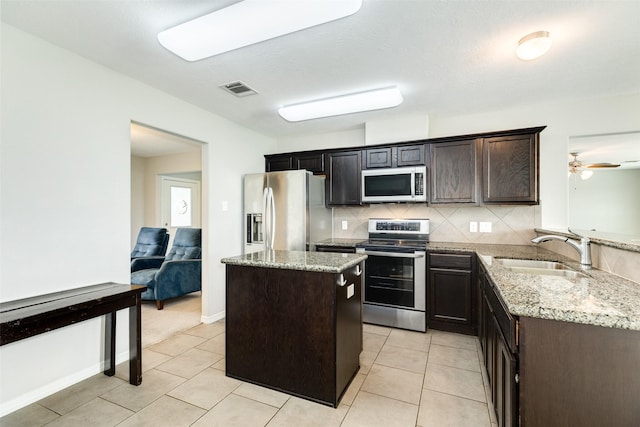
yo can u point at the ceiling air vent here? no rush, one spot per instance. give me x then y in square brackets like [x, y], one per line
[238, 89]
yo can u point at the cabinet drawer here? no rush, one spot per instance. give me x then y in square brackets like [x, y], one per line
[455, 261]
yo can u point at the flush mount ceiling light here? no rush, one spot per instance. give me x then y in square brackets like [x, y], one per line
[533, 45]
[345, 104]
[249, 22]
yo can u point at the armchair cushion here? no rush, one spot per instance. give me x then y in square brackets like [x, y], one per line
[186, 245]
[150, 242]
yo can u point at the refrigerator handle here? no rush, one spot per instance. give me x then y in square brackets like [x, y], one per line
[265, 220]
[273, 218]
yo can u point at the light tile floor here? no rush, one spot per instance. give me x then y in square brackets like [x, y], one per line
[405, 379]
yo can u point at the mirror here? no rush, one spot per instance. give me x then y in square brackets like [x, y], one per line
[604, 186]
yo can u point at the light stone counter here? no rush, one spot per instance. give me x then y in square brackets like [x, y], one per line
[324, 262]
[598, 298]
[341, 242]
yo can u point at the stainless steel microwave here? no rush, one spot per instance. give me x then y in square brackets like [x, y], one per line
[394, 185]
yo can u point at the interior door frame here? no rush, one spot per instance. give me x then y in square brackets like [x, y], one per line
[163, 221]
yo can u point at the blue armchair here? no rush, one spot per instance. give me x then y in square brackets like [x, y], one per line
[179, 273]
[151, 243]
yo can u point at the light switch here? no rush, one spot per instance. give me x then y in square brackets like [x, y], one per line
[473, 227]
[345, 224]
[225, 205]
[350, 291]
[485, 227]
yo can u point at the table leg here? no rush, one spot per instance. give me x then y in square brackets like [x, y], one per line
[135, 343]
[110, 344]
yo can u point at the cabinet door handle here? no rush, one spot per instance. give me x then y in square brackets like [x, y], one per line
[358, 270]
[341, 280]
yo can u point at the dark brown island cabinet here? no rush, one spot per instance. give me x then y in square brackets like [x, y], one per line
[554, 373]
[298, 332]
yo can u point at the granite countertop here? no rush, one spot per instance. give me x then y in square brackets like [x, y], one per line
[341, 243]
[323, 262]
[598, 298]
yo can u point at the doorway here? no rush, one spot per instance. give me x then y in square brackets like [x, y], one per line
[166, 166]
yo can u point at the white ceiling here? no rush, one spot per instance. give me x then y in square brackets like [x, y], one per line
[447, 57]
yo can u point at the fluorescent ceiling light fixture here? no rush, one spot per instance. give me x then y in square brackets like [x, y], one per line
[345, 104]
[249, 22]
[533, 45]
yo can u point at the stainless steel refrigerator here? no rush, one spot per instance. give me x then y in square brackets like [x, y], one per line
[285, 211]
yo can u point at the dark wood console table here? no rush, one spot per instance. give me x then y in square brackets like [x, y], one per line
[28, 317]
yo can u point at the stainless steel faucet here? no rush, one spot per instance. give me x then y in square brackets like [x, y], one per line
[583, 247]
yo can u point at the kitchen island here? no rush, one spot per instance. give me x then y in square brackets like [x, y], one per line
[294, 321]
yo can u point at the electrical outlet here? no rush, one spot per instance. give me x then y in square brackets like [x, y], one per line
[473, 227]
[485, 227]
[345, 225]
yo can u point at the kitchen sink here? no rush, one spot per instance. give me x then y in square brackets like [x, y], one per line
[531, 263]
[534, 266]
[571, 274]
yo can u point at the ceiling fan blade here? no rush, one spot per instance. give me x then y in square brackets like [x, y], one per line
[603, 165]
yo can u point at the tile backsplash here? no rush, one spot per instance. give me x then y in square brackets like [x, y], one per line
[510, 224]
[620, 262]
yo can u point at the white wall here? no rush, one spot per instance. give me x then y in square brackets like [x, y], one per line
[609, 201]
[65, 210]
[137, 197]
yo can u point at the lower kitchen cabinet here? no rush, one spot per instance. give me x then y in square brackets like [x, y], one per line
[451, 292]
[504, 387]
[497, 334]
[553, 373]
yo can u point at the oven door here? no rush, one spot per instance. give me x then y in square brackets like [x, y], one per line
[395, 279]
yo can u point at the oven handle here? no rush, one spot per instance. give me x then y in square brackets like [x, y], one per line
[414, 255]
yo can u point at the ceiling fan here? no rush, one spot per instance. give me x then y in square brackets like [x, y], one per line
[576, 166]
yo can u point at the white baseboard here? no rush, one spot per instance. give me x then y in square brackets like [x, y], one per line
[213, 318]
[55, 386]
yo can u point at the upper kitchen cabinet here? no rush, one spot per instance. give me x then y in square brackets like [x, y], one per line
[278, 162]
[377, 158]
[411, 155]
[454, 172]
[510, 169]
[343, 178]
[394, 156]
[311, 161]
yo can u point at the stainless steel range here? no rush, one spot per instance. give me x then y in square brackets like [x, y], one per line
[395, 273]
